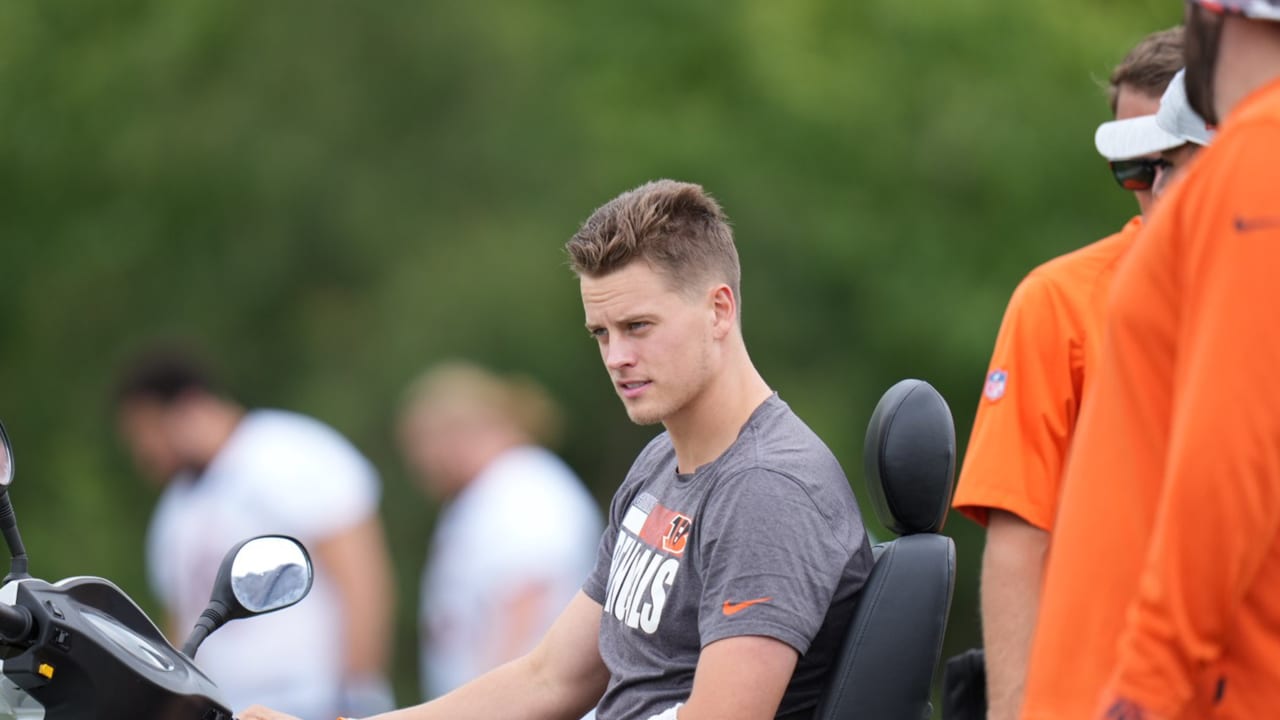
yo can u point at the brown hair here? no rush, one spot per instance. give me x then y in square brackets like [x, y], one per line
[163, 373]
[1149, 66]
[676, 227]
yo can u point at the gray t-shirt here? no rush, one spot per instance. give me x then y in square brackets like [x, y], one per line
[764, 540]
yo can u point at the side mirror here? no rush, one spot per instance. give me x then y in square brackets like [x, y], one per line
[258, 576]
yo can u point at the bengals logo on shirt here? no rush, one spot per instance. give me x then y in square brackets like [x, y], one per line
[678, 536]
[646, 560]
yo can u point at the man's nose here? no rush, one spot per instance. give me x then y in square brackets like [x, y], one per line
[619, 354]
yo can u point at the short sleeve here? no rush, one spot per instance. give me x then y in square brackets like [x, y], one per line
[310, 481]
[770, 560]
[597, 583]
[1027, 412]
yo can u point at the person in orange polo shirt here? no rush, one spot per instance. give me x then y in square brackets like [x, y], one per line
[1088, 579]
[1040, 367]
[1193, 363]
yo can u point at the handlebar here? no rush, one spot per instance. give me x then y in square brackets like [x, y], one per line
[16, 627]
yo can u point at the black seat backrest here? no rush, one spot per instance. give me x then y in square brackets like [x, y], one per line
[885, 668]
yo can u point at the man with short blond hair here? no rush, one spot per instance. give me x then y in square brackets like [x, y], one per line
[735, 547]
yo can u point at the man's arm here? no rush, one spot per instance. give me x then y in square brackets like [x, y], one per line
[521, 612]
[1012, 570]
[561, 679]
[742, 678]
[356, 559]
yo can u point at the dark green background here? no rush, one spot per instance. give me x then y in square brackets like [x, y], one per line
[331, 195]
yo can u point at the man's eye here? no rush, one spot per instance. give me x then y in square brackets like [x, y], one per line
[637, 326]
[598, 333]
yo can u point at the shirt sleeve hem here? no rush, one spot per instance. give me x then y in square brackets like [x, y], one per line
[594, 592]
[979, 510]
[798, 641]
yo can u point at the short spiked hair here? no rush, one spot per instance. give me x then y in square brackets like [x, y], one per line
[676, 227]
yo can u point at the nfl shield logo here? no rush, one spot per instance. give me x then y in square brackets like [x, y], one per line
[994, 389]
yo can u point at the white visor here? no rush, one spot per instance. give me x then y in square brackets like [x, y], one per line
[1174, 125]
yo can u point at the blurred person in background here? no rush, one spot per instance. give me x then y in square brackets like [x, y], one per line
[227, 473]
[1191, 419]
[518, 532]
[1043, 362]
[1088, 581]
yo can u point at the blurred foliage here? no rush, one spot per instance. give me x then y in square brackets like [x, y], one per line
[329, 196]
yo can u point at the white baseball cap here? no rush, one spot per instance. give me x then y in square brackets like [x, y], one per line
[1175, 124]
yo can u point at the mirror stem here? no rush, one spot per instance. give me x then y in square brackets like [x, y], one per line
[213, 617]
[12, 538]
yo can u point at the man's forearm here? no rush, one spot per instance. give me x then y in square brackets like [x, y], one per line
[516, 689]
[511, 691]
[561, 679]
[1012, 572]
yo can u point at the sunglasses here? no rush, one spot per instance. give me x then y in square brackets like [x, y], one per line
[1137, 174]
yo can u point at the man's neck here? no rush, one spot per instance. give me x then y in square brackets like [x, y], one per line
[704, 429]
[1249, 58]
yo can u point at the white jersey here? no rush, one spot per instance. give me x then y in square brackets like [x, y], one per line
[278, 473]
[525, 519]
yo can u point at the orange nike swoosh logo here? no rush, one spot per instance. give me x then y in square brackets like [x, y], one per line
[732, 608]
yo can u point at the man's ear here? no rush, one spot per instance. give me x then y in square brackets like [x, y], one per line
[724, 307]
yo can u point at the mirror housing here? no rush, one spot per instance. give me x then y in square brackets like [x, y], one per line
[6, 459]
[257, 576]
[8, 520]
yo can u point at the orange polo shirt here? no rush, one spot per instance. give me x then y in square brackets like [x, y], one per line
[1161, 575]
[1043, 361]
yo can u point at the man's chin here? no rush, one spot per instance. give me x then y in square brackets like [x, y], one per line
[643, 416]
[645, 419]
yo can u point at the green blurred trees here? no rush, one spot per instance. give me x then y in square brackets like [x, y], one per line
[329, 196]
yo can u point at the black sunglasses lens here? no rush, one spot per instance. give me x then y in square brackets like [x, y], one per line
[1134, 174]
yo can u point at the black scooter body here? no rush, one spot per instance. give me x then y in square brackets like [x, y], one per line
[97, 656]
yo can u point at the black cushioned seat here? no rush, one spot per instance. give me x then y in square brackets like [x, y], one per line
[885, 668]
